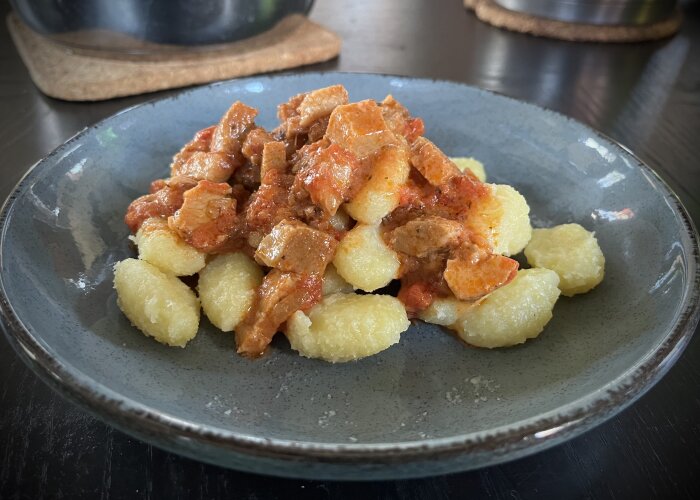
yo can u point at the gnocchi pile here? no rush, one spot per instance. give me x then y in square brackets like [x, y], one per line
[305, 228]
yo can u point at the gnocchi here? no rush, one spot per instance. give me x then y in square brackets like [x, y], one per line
[161, 246]
[513, 313]
[227, 289]
[364, 260]
[346, 327]
[471, 164]
[503, 219]
[571, 252]
[158, 304]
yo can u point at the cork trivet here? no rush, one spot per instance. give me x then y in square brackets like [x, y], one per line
[83, 75]
[492, 13]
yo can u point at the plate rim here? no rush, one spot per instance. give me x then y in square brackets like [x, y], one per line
[543, 430]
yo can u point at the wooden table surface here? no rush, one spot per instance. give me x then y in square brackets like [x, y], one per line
[646, 96]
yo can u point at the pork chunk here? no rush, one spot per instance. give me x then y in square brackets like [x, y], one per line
[360, 128]
[329, 174]
[207, 217]
[471, 279]
[321, 103]
[163, 200]
[231, 131]
[279, 296]
[294, 246]
[201, 165]
[432, 163]
[425, 235]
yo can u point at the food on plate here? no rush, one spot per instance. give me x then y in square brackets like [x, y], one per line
[513, 313]
[570, 251]
[227, 287]
[304, 229]
[157, 303]
[347, 326]
[161, 246]
[364, 260]
[471, 164]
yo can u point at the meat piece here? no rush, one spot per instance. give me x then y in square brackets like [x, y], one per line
[214, 167]
[279, 296]
[454, 199]
[274, 157]
[425, 235]
[317, 129]
[290, 108]
[207, 217]
[164, 199]
[200, 143]
[320, 103]
[270, 204]
[247, 175]
[360, 128]
[432, 163]
[231, 131]
[472, 278]
[294, 246]
[253, 145]
[399, 120]
[329, 174]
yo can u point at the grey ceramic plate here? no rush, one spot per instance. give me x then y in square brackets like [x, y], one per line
[426, 406]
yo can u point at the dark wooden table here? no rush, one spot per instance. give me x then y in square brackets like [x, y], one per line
[647, 96]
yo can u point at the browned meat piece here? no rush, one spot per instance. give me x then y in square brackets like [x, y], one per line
[231, 132]
[279, 296]
[274, 157]
[200, 143]
[253, 145]
[270, 203]
[318, 129]
[329, 173]
[472, 278]
[207, 217]
[432, 163]
[320, 103]
[294, 246]
[164, 199]
[214, 167]
[360, 128]
[247, 175]
[425, 235]
[289, 109]
[399, 120]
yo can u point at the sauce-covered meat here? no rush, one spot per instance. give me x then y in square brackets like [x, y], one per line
[165, 198]
[207, 217]
[279, 196]
[280, 295]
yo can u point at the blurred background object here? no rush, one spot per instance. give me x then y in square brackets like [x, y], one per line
[603, 12]
[135, 26]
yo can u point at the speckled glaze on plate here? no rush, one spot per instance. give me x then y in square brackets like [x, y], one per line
[426, 406]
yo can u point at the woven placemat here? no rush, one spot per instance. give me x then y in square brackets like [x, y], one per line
[495, 15]
[83, 75]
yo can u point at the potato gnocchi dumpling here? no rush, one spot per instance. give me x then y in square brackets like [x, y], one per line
[444, 311]
[346, 327]
[334, 282]
[227, 289]
[158, 304]
[571, 252]
[161, 246]
[380, 194]
[364, 260]
[471, 164]
[503, 219]
[512, 314]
